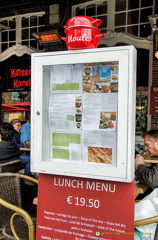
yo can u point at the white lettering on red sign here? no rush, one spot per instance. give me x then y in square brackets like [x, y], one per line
[79, 38]
[95, 186]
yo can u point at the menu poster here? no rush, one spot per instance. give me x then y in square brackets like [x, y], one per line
[154, 100]
[67, 78]
[101, 78]
[86, 209]
[83, 110]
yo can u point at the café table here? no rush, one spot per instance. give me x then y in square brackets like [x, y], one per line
[140, 188]
[25, 149]
[150, 159]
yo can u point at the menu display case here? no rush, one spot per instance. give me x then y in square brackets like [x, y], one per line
[83, 113]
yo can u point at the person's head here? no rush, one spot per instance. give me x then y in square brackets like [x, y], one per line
[151, 142]
[16, 123]
[6, 132]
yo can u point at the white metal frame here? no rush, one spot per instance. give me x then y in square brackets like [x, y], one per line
[40, 158]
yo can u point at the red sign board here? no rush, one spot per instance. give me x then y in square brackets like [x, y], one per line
[154, 100]
[16, 73]
[71, 208]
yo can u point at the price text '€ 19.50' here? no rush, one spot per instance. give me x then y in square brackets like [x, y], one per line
[83, 202]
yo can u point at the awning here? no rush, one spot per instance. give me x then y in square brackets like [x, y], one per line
[25, 105]
[22, 104]
[10, 108]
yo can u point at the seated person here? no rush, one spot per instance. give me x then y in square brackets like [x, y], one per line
[8, 149]
[25, 130]
[145, 174]
[16, 123]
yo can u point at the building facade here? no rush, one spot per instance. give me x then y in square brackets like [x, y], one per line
[125, 22]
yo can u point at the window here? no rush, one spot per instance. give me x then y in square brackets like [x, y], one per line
[27, 24]
[135, 16]
[129, 16]
[95, 9]
[142, 91]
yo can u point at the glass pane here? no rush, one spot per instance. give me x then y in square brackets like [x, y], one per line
[32, 30]
[104, 24]
[130, 30]
[40, 48]
[120, 29]
[12, 35]
[25, 43]
[12, 44]
[4, 46]
[144, 14]
[41, 20]
[103, 30]
[33, 43]
[41, 29]
[25, 22]
[4, 36]
[33, 21]
[102, 9]
[120, 5]
[133, 30]
[145, 30]
[21, 101]
[80, 12]
[142, 67]
[141, 113]
[144, 101]
[12, 24]
[101, 78]
[142, 90]
[120, 19]
[133, 4]
[25, 33]
[90, 10]
[133, 17]
[146, 3]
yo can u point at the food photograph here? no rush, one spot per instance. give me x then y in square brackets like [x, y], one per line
[78, 104]
[100, 78]
[78, 110]
[114, 87]
[107, 120]
[114, 77]
[100, 155]
[79, 118]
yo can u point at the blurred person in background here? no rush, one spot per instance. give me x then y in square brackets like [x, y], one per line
[25, 137]
[8, 149]
[25, 156]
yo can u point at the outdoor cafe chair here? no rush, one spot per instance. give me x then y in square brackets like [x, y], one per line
[10, 166]
[15, 222]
